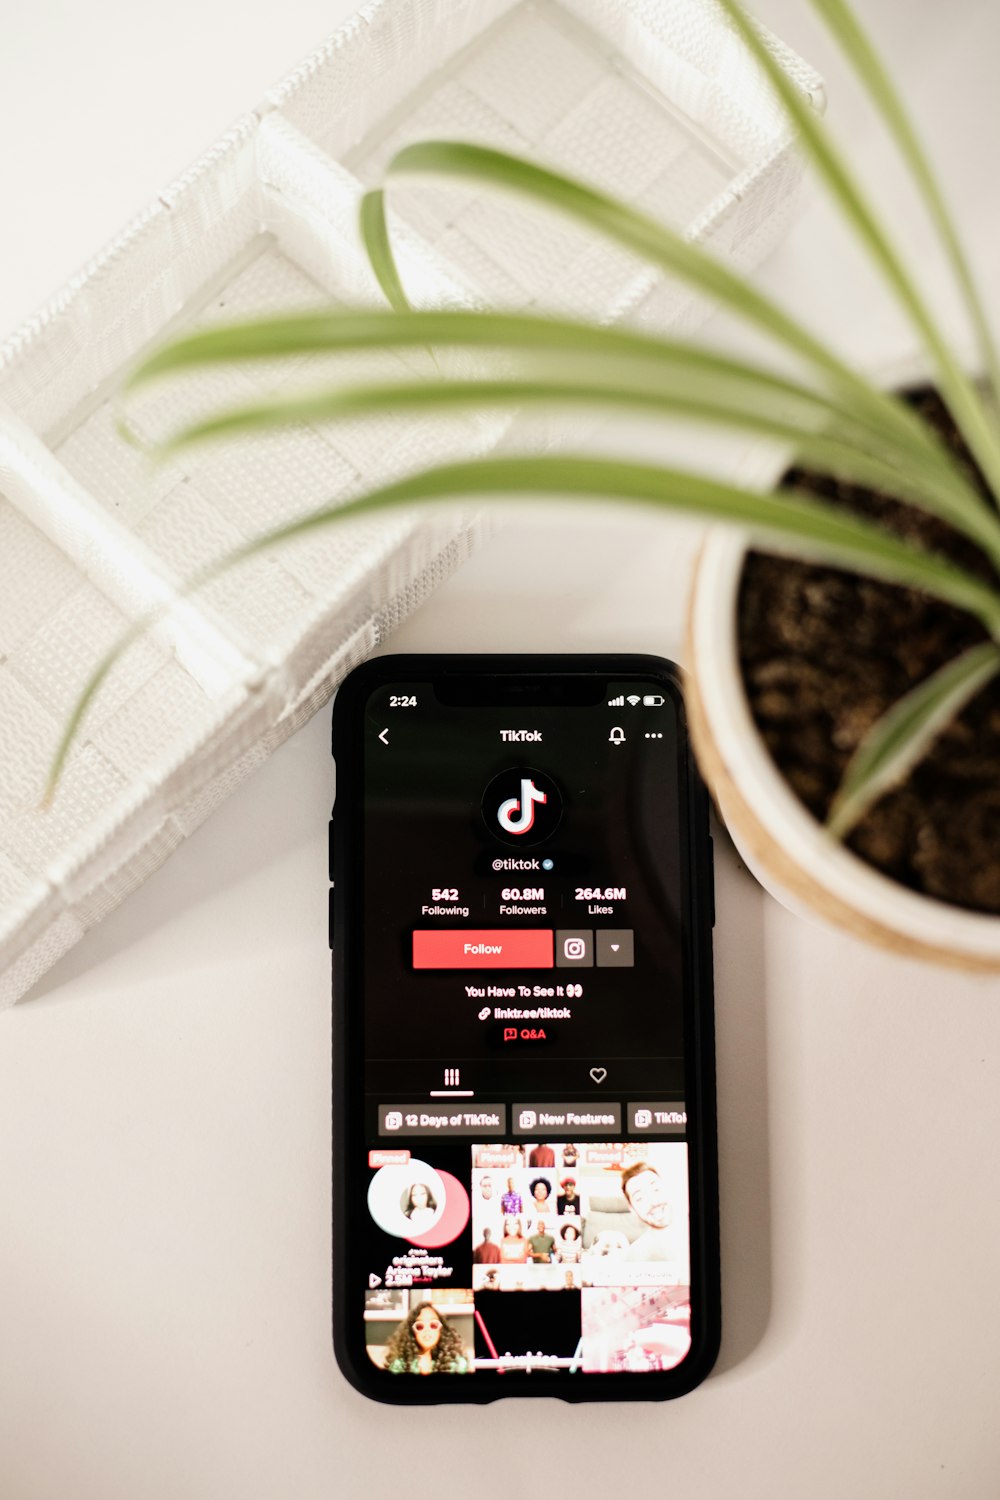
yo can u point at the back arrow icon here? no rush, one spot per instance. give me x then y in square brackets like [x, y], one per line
[384, 736]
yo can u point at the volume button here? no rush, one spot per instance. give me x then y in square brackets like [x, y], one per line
[711, 875]
[330, 921]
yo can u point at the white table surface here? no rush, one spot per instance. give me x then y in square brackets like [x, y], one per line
[164, 1096]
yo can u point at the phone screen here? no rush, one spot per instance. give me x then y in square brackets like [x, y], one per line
[522, 995]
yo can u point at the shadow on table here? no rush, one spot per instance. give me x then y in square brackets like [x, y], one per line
[281, 807]
[744, 1159]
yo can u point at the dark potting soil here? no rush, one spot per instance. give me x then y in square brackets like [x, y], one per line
[824, 653]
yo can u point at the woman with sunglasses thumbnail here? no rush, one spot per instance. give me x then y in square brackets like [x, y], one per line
[425, 1343]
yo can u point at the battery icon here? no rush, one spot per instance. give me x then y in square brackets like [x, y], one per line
[653, 700]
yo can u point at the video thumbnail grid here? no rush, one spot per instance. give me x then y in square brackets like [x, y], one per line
[601, 1227]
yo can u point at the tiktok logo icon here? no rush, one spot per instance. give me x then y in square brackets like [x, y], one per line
[517, 815]
[522, 806]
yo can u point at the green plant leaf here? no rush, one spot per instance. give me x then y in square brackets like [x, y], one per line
[92, 687]
[904, 734]
[802, 528]
[959, 392]
[684, 395]
[375, 235]
[619, 354]
[350, 329]
[353, 329]
[670, 251]
[847, 29]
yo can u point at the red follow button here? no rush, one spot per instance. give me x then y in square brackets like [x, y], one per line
[482, 948]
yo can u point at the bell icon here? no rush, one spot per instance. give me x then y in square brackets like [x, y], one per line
[617, 736]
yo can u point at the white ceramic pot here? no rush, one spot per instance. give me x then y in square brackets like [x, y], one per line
[780, 841]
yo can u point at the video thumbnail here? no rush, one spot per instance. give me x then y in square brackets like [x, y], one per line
[468, 1247]
[635, 1329]
[563, 1216]
[407, 1334]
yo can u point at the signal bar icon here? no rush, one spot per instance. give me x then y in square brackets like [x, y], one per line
[618, 702]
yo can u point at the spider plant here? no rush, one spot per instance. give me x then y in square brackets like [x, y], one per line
[828, 414]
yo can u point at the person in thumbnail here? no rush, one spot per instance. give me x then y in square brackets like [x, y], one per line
[486, 1253]
[541, 1245]
[511, 1202]
[486, 1188]
[420, 1207]
[569, 1199]
[570, 1246]
[570, 1156]
[539, 1202]
[513, 1246]
[647, 1197]
[425, 1343]
[542, 1156]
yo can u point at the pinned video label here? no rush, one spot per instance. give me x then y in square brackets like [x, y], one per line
[388, 1157]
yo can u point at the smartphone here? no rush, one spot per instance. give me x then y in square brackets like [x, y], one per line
[525, 1187]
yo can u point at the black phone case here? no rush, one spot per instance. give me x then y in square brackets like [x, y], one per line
[347, 1060]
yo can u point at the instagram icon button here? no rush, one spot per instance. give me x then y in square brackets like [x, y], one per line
[574, 949]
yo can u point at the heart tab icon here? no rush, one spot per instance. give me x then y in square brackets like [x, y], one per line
[598, 1074]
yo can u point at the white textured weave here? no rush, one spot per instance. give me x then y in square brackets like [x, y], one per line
[651, 98]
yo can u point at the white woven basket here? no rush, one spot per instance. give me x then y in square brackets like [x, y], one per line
[652, 98]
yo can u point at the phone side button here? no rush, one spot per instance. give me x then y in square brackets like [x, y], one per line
[711, 874]
[329, 851]
[330, 921]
